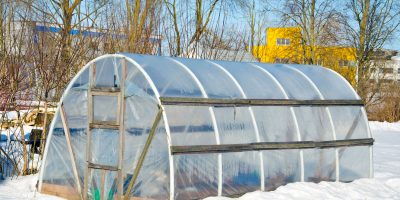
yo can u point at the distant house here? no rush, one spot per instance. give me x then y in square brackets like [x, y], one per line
[34, 30]
[386, 69]
[284, 45]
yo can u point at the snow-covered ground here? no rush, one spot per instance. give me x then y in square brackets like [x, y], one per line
[385, 185]
[22, 188]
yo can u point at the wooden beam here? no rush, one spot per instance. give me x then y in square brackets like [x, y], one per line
[104, 125]
[121, 119]
[255, 102]
[103, 167]
[105, 89]
[70, 150]
[69, 193]
[223, 148]
[102, 181]
[143, 154]
[105, 93]
[63, 191]
[92, 83]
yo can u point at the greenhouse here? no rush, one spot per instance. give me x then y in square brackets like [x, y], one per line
[150, 127]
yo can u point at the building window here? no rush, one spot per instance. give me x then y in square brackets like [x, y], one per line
[344, 63]
[281, 60]
[282, 42]
[387, 70]
[387, 81]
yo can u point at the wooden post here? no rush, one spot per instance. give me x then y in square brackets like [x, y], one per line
[91, 83]
[143, 154]
[102, 181]
[70, 151]
[121, 115]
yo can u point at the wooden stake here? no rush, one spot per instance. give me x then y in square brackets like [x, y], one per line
[92, 81]
[121, 118]
[143, 155]
[103, 179]
[70, 151]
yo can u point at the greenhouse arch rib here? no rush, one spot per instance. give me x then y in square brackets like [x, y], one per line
[214, 121]
[364, 113]
[166, 124]
[329, 116]
[293, 114]
[252, 119]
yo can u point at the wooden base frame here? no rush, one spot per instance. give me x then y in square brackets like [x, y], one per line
[70, 193]
[63, 191]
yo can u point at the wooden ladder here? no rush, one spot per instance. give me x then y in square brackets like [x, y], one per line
[116, 92]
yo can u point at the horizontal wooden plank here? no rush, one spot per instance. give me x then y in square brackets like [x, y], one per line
[70, 193]
[105, 89]
[103, 167]
[64, 191]
[197, 149]
[104, 125]
[255, 102]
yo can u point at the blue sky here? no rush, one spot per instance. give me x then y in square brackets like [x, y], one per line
[273, 21]
[394, 44]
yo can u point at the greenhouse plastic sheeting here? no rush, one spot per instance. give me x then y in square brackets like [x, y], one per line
[164, 175]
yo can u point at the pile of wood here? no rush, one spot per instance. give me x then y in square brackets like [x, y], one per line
[34, 117]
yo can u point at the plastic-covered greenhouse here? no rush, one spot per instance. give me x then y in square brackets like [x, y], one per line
[149, 127]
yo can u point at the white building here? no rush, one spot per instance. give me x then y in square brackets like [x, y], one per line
[386, 70]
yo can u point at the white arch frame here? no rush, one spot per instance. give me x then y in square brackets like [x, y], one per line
[213, 118]
[156, 93]
[364, 113]
[253, 119]
[293, 114]
[337, 173]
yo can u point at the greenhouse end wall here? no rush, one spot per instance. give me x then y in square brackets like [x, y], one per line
[152, 127]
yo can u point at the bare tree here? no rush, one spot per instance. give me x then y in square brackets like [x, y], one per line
[370, 24]
[316, 19]
[15, 77]
[255, 15]
[142, 24]
[192, 25]
[60, 51]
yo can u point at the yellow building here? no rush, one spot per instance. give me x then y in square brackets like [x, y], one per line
[284, 45]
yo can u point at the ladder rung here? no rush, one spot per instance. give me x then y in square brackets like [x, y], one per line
[104, 167]
[104, 125]
[105, 91]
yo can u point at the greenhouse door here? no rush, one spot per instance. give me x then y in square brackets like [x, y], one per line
[105, 134]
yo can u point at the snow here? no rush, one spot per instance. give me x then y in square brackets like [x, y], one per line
[13, 114]
[22, 188]
[12, 133]
[385, 185]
